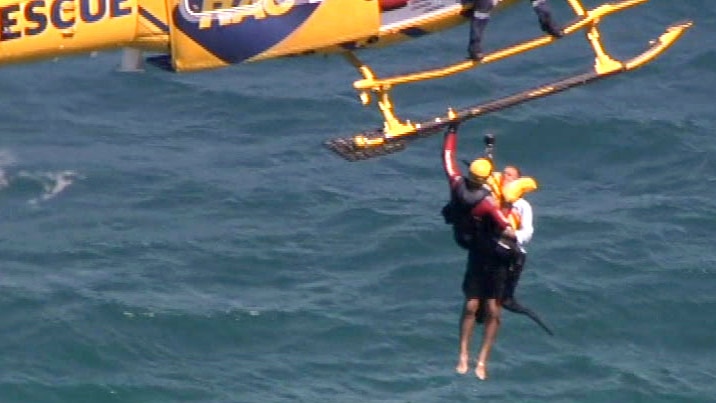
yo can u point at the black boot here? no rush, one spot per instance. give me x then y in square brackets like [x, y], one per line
[545, 19]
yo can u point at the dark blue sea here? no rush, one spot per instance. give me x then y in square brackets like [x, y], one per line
[187, 238]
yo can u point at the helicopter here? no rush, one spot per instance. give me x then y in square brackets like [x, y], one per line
[195, 35]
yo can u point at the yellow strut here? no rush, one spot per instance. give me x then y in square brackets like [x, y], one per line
[392, 126]
[589, 19]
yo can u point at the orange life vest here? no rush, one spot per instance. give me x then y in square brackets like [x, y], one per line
[495, 183]
[513, 216]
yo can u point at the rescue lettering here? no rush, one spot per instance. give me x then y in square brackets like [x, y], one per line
[35, 16]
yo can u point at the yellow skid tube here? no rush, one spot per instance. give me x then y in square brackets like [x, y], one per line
[672, 34]
[587, 20]
[394, 135]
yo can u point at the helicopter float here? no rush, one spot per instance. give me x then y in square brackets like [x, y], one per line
[192, 35]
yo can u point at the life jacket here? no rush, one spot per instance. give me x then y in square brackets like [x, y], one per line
[468, 231]
[514, 217]
[512, 192]
[495, 183]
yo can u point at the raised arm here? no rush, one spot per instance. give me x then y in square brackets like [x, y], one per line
[450, 165]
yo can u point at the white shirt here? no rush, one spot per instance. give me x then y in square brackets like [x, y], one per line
[526, 229]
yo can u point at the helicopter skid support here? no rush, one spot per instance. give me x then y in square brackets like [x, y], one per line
[395, 134]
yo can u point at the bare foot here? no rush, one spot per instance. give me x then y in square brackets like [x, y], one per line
[462, 365]
[481, 371]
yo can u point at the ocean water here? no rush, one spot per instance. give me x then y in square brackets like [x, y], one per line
[187, 238]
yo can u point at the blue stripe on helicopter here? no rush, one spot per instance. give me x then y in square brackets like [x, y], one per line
[234, 43]
[414, 32]
[154, 20]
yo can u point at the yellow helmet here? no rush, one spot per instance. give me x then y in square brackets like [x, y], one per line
[480, 169]
[517, 188]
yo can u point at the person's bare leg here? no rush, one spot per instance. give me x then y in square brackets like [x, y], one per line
[492, 324]
[467, 325]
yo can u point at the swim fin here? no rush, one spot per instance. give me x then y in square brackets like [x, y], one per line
[513, 306]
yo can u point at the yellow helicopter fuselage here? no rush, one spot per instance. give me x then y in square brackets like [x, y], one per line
[204, 34]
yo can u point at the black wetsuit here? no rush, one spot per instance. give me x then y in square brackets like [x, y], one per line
[486, 271]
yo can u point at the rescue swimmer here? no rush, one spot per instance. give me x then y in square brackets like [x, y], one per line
[481, 227]
[478, 225]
